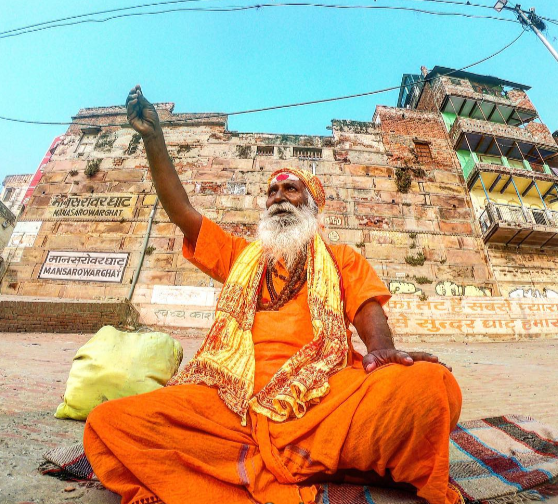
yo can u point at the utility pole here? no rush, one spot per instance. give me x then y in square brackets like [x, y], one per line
[527, 21]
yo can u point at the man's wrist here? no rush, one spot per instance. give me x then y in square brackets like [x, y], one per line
[155, 137]
[384, 344]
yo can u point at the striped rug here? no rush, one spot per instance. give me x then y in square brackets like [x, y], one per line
[500, 460]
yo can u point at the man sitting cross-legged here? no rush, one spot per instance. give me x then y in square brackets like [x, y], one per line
[276, 400]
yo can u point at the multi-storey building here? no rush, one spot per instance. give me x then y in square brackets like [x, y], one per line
[509, 160]
[13, 191]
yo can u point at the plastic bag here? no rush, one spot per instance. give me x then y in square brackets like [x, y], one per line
[115, 364]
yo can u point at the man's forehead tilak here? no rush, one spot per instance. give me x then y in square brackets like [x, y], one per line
[282, 177]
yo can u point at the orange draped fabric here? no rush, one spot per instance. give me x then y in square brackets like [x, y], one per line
[182, 444]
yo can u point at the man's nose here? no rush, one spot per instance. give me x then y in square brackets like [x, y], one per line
[278, 197]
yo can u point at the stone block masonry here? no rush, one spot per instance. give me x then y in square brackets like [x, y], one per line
[394, 192]
[26, 314]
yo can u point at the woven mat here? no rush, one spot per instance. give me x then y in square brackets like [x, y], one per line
[498, 460]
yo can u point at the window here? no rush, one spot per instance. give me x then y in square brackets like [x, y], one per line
[422, 150]
[86, 143]
[307, 153]
[264, 150]
[8, 194]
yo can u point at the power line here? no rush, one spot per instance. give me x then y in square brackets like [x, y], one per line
[77, 16]
[252, 7]
[169, 2]
[276, 107]
[455, 2]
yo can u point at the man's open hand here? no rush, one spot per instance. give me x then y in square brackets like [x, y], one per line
[142, 115]
[378, 358]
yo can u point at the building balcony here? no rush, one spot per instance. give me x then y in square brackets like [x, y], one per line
[466, 98]
[484, 137]
[495, 177]
[519, 226]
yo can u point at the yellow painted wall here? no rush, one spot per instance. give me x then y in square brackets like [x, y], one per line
[508, 198]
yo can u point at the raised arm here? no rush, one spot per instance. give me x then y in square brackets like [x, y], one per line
[372, 327]
[143, 117]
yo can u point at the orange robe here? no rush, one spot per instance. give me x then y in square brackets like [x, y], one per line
[182, 444]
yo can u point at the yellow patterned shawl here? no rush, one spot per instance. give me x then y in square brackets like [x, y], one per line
[226, 358]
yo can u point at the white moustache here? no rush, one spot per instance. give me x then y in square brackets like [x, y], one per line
[285, 207]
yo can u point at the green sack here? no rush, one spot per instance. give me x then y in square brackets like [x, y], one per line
[115, 364]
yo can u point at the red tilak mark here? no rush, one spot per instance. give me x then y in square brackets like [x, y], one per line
[282, 176]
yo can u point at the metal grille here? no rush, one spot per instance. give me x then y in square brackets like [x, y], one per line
[264, 150]
[307, 153]
[540, 217]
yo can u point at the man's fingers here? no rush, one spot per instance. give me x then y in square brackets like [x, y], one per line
[423, 356]
[372, 364]
[143, 102]
[403, 358]
[379, 358]
[428, 357]
[449, 368]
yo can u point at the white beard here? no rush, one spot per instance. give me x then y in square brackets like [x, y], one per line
[286, 235]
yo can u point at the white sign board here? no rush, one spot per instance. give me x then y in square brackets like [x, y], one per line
[29, 227]
[183, 295]
[84, 266]
[23, 236]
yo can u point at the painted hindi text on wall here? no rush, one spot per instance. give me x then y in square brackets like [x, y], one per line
[87, 206]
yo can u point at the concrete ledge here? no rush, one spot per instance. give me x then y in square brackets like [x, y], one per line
[31, 314]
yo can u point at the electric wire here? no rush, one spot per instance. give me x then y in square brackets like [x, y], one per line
[107, 11]
[254, 7]
[276, 107]
[169, 2]
[455, 2]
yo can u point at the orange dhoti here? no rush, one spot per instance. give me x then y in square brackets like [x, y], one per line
[181, 444]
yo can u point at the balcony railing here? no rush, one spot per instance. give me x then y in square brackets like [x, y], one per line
[519, 225]
[480, 135]
[472, 170]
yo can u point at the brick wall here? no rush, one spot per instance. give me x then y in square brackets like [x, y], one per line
[51, 315]
[435, 218]
[423, 242]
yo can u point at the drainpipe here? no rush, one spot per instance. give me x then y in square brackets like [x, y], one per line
[145, 240]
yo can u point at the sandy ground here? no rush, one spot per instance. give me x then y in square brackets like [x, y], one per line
[496, 378]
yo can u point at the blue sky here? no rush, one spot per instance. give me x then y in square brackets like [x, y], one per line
[237, 61]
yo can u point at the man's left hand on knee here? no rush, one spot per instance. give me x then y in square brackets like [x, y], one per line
[378, 358]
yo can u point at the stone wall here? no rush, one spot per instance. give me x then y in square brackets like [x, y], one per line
[528, 273]
[434, 218]
[20, 314]
[410, 216]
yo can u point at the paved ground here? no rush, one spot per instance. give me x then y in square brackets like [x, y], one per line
[496, 378]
